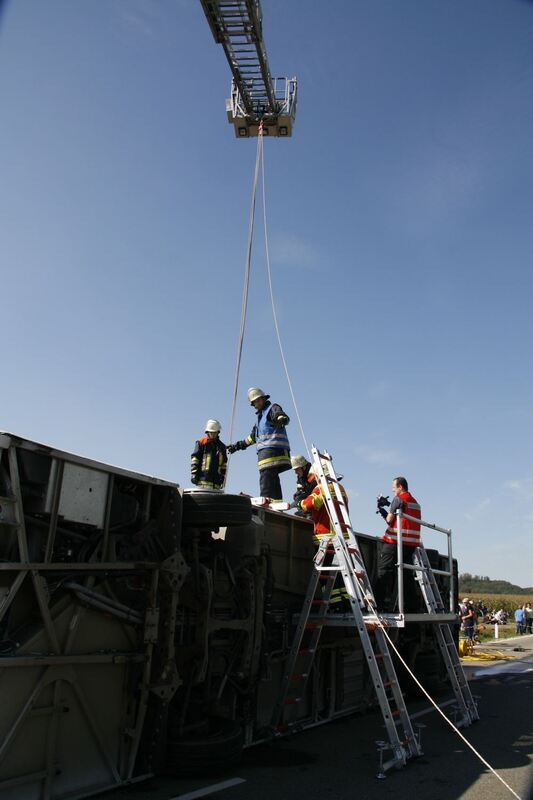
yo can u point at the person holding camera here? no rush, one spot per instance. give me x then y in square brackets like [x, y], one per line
[388, 550]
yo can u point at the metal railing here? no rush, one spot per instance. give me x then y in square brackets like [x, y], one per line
[401, 565]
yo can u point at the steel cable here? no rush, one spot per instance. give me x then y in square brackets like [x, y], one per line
[244, 302]
[273, 304]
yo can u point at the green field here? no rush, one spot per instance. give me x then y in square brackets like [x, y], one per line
[509, 602]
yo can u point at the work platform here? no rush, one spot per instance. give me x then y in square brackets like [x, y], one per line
[388, 620]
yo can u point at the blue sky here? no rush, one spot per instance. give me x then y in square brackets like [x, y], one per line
[400, 222]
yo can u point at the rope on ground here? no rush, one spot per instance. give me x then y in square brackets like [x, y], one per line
[244, 303]
[273, 304]
[448, 721]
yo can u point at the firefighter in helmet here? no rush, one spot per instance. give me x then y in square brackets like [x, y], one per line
[305, 482]
[315, 505]
[270, 437]
[209, 459]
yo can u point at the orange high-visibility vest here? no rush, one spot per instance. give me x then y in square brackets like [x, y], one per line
[410, 530]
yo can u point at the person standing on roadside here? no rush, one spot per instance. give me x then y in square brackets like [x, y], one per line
[468, 618]
[529, 617]
[519, 617]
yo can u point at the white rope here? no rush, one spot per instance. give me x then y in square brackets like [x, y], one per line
[274, 314]
[244, 303]
[443, 715]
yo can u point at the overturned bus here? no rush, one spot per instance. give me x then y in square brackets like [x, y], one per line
[144, 628]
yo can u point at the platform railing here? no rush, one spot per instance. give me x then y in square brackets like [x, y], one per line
[401, 565]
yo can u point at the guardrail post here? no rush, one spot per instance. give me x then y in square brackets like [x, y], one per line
[400, 562]
[450, 568]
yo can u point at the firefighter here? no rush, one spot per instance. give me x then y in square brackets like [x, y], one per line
[388, 547]
[209, 460]
[315, 504]
[305, 482]
[270, 437]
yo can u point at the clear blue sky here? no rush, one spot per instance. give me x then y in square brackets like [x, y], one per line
[401, 225]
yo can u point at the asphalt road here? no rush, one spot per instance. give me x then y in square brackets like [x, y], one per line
[339, 761]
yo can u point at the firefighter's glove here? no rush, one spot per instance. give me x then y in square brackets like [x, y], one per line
[282, 420]
[194, 479]
[232, 448]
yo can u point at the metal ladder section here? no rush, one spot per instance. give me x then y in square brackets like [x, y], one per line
[433, 600]
[237, 26]
[349, 564]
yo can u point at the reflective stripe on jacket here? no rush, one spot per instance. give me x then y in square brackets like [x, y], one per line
[270, 437]
[209, 462]
[269, 433]
[274, 458]
[410, 530]
[315, 503]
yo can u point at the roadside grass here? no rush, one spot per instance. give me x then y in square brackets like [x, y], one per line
[487, 634]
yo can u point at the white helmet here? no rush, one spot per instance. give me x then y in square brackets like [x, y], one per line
[254, 393]
[298, 461]
[213, 426]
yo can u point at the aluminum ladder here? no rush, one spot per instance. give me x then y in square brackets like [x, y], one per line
[433, 600]
[350, 565]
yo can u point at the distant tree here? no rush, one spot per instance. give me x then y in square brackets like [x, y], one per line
[484, 584]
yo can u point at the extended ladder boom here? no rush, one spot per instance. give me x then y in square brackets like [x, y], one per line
[255, 96]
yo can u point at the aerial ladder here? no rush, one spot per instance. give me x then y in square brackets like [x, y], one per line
[257, 101]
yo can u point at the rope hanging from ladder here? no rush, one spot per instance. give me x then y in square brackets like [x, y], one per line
[274, 314]
[259, 165]
[246, 284]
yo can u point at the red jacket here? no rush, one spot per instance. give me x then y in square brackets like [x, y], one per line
[315, 503]
[410, 530]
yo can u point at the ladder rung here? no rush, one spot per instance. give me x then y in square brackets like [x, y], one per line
[7, 499]
[301, 677]
[311, 626]
[306, 651]
[319, 602]
[291, 701]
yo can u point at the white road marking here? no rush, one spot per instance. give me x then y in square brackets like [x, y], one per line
[207, 790]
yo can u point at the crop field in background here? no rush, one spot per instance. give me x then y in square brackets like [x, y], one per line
[509, 602]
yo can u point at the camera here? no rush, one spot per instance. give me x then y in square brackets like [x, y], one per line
[382, 502]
